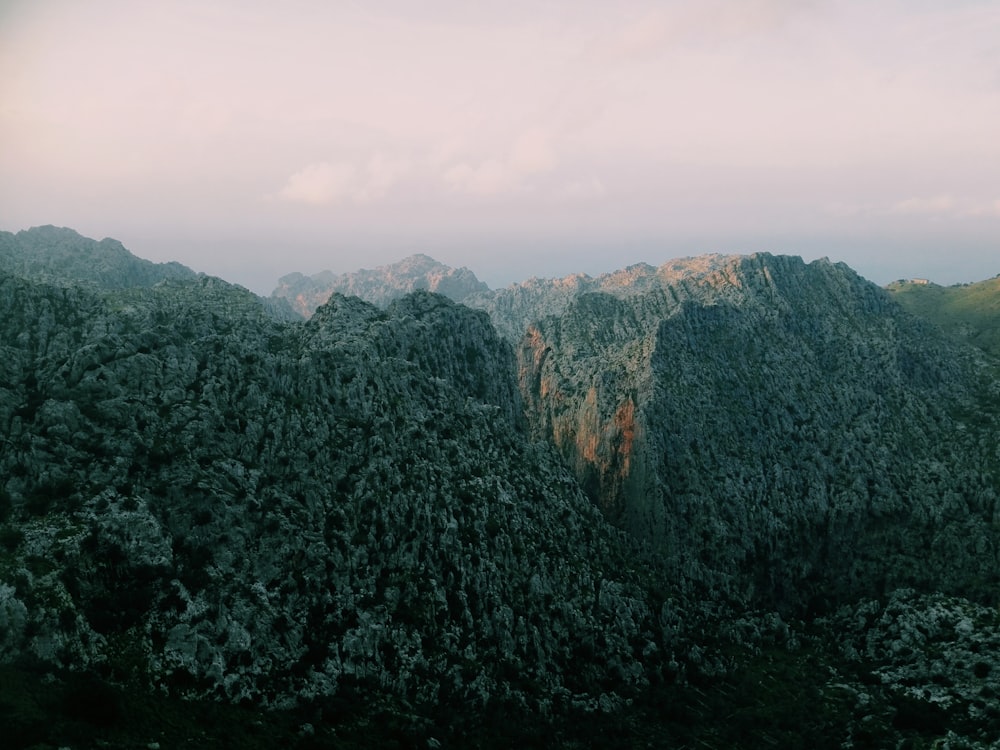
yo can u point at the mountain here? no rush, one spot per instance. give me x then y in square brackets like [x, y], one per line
[783, 433]
[205, 500]
[379, 286]
[59, 255]
[730, 501]
[967, 311]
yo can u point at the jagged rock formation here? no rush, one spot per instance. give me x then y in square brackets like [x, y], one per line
[202, 498]
[63, 257]
[59, 256]
[970, 312]
[398, 518]
[916, 663]
[379, 286]
[781, 432]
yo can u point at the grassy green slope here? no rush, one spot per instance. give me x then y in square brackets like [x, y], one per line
[971, 311]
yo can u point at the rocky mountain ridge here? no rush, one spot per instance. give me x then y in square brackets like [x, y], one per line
[202, 498]
[380, 286]
[62, 256]
[773, 403]
[581, 504]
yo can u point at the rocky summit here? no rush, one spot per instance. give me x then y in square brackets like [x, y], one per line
[781, 432]
[732, 501]
[380, 285]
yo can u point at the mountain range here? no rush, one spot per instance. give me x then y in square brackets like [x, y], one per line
[659, 506]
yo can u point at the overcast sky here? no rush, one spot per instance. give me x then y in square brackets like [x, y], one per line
[250, 139]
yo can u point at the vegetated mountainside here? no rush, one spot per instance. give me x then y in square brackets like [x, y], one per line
[968, 311]
[63, 257]
[59, 255]
[784, 434]
[379, 286]
[385, 525]
[339, 515]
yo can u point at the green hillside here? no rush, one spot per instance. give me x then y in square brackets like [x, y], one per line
[970, 311]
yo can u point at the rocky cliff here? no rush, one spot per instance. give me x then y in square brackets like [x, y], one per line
[380, 286]
[781, 432]
[204, 499]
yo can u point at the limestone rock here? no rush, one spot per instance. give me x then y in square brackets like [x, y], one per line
[380, 286]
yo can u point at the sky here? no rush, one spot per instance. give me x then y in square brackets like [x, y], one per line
[251, 139]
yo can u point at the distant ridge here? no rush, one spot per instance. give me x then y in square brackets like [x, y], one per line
[58, 255]
[381, 285]
[964, 311]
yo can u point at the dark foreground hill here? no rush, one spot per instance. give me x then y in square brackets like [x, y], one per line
[729, 502]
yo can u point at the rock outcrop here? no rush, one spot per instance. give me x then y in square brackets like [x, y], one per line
[201, 498]
[62, 256]
[781, 432]
[730, 500]
[380, 286]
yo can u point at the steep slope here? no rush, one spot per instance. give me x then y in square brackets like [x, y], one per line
[58, 255]
[783, 433]
[340, 513]
[967, 311]
[380, 286]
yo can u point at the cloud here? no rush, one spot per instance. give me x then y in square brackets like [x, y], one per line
[713, 21]
[381, 174]
[532, 153]
[938, 205]
[489, 177]
[325, 183]
[942, 206]
[529, 155]
[987, 208]
[587, 189]
[319, 183]
[946, 206]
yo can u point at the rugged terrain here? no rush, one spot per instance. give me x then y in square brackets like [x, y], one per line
[779, 431]
[380, 285]
[730, 501]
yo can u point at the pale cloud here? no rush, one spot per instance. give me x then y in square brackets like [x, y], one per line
[984, 208]
[532, 153]
[326, 183]
[938, 205]
[320, 183]
[381, 174]
[662, 27]
[488, 177]
[947, 206]
[586, 189]
[942, 206]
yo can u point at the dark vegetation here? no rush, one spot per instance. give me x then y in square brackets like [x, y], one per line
[219, 528]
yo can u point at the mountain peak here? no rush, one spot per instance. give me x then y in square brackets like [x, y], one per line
[61, 255]
[380, 285]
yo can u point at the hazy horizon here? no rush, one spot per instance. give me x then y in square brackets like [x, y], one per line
[249, 140]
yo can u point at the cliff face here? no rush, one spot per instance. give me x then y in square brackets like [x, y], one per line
[380, 286]
[201, 498]
[781, 432]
